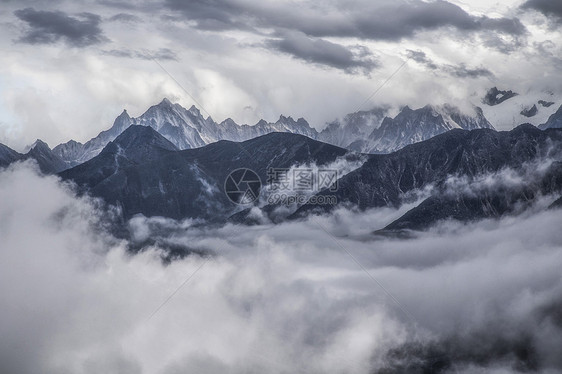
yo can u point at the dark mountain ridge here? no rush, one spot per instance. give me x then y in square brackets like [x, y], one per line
[39, 151]
[385, 179]
[188, 183]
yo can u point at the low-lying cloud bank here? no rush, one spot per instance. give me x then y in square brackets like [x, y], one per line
[273, 298]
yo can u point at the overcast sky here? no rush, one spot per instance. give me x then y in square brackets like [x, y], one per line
[68, 68]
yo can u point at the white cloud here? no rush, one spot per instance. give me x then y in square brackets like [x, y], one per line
[282, 298]
[57, 93]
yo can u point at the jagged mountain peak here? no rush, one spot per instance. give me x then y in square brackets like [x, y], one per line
[187, 128]
[414, 116]
[283, 118]
[415, 125]
[165, 106]
[48, 161]
[72, 142]
[168, 105]
[121, 123]
[38, 145]
[228, 122]
[428, 108]
[165, 103]
[124, 115]
[8, 155]
[194, 110]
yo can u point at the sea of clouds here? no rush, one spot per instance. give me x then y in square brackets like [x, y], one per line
[323, 295]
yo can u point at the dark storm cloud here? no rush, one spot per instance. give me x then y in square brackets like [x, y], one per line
[550, 8]
[323, 52]
[421, 58]
[212, 15]
[160, 54]
[398, 20]
[384, 20]
[459, 71]
[48, 27]
[125, 17]
[510, 26]
[462, 71]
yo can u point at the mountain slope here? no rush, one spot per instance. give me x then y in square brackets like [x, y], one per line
[39, 151]
[75, 153]
[8, 155]
[475, 202]
[188, 183]
[136, 145]
[141, 144]
[385, 179]
[48, 161]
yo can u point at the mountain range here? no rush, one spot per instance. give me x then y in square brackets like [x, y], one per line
[372, 131]
[469, 175]
[173, 162]
[185, 128]
[47, 160]
[366, 131]
[412, 126]
[143, 173]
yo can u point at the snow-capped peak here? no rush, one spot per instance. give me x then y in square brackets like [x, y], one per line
[187, 128]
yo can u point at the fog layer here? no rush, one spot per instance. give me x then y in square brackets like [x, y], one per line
[287, 298]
